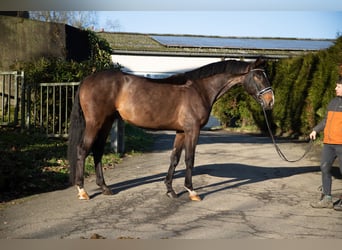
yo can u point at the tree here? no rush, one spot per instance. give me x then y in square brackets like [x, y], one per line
[78, 19]
[113, 25]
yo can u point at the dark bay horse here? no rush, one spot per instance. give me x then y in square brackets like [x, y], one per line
[181, 103]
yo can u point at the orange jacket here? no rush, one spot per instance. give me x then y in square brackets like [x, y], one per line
[332, 123]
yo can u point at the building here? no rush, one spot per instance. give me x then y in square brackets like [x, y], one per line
[155, 55]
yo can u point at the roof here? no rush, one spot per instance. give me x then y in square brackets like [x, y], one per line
[137, 43]
[242, 43]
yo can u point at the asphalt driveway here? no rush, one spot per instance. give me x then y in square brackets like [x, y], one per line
[247, 192]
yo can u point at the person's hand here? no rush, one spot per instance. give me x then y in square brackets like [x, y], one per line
[313, 135]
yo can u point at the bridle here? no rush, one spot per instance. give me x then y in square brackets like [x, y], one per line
[263, 91]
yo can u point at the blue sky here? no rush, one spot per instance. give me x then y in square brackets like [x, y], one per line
[246, 23]
[174, 5]
[255, 18]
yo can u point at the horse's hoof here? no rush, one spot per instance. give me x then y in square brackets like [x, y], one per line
[171, 195]
[195, 197]
[107, 191]
[83, 196]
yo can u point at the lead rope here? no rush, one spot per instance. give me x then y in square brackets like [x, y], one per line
[280, 153]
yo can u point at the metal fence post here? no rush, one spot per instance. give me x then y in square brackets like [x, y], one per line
[24, 110]
[117, 141]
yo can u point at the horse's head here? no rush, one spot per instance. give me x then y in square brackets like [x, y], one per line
[257, 84]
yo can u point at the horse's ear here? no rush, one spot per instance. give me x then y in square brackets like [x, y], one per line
[260, 62]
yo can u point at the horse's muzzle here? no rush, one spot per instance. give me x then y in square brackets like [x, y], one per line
[266, 99]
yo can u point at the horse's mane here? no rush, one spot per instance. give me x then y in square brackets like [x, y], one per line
[230, 66]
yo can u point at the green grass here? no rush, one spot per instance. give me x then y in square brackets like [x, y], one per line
[30, 164]
[33, 163]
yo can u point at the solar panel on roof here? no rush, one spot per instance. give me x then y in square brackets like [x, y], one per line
[242, 43]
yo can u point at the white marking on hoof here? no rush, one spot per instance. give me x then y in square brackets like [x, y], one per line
[82, 194]
[193, 195]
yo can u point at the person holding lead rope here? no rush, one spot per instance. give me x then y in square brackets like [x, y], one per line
[332, 148]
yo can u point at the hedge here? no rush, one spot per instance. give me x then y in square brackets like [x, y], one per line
[303, 86]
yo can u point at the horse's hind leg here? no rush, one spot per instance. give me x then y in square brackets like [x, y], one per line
[83, 150]
[98, 150]
[82, 153]
[174, 160]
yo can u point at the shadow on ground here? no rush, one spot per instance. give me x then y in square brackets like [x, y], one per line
[236, 174]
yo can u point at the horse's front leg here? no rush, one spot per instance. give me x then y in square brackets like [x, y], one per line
[190, 147]
[174, 160]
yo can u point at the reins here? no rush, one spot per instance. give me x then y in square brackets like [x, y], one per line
[280, 153]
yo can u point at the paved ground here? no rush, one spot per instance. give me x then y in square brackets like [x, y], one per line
[248, 192]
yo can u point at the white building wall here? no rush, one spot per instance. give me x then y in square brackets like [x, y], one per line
[160, 65]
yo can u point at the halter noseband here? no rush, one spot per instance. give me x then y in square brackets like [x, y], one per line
[263, 91]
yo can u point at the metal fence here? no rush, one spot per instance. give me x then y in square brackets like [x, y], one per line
[52, 104]
[12, 98]
[50, 107]
[45, 107]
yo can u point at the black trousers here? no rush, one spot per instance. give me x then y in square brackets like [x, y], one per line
[329, 153]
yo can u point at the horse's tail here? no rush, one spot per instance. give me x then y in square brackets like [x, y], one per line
[76, 129]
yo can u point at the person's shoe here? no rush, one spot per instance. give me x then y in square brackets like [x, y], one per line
[338, 205]
[325, 202]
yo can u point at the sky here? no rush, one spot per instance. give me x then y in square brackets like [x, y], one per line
[247, 18]
[271, 23]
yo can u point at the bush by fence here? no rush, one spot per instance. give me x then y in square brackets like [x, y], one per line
[41, 93]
